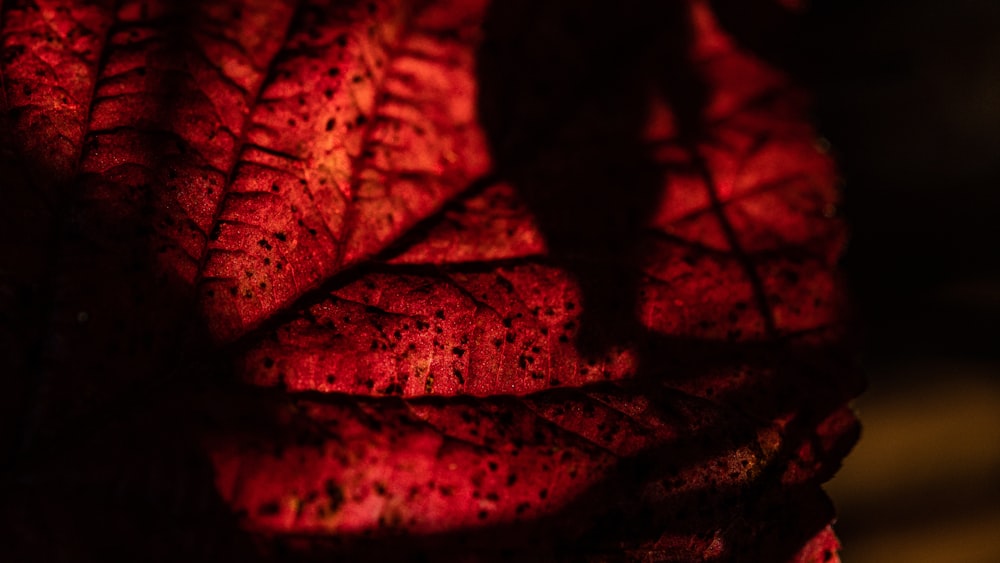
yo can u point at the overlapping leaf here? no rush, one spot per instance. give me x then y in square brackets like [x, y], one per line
[208, 168]
[743, 250]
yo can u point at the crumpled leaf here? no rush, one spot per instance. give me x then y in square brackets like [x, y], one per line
[327, 278]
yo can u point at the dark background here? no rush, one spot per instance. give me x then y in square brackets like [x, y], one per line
[909, 97]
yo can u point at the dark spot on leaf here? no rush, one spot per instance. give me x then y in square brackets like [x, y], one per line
[334, 495]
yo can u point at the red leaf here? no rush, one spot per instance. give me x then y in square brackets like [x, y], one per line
[626, 340]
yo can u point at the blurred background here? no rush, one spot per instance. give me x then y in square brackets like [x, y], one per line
[909, 97]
